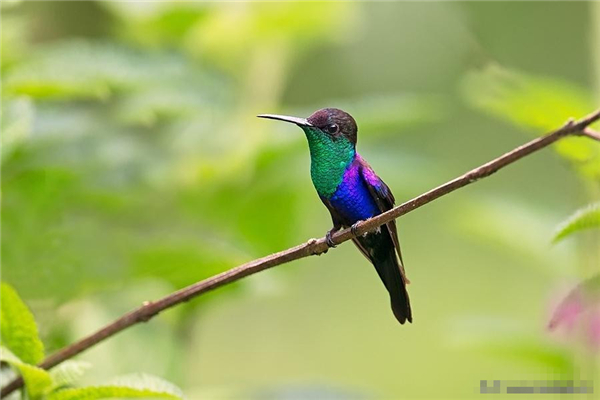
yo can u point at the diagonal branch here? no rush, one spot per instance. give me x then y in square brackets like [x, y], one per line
[313, 247]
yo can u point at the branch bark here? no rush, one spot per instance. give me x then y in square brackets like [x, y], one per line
[313, 247]
[592, 134]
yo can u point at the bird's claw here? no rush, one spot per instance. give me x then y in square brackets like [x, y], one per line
[354, 228]
[329, 240]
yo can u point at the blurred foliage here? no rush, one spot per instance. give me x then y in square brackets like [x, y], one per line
[116, 153]
[492, 222]
[544, 103]
[137, 386]
[68, 372]
[539, 103]
[38, 382]
[132, 165]
[504, 339]
[20, 342]
[585, 218]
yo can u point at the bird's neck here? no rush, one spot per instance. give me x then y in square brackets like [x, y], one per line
[330, 158]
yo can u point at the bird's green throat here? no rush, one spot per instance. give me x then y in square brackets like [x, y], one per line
[330, 157]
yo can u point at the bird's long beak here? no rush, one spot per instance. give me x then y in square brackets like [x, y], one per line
[293, 120]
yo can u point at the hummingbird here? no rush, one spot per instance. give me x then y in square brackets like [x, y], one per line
[352, 192]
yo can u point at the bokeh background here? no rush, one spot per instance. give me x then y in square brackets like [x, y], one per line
[133, 165]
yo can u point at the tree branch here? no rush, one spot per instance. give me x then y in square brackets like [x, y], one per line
[312, 247]
[592, 134]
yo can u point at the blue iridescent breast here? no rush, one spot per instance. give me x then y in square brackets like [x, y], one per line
[352, 198]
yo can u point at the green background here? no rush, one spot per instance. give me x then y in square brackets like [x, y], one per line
[133, 165]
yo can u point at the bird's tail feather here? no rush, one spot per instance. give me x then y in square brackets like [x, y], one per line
[389, 271]
[379, 249]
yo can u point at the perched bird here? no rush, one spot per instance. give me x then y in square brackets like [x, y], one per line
[352, 192]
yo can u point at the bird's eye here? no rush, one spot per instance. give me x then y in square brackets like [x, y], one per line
[333, 128]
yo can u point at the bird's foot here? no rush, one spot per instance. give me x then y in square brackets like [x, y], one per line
[354, 228]
[329, 239]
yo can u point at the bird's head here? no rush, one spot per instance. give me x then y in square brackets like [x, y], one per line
[330, 123]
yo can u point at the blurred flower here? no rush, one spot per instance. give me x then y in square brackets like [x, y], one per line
[580, 310]
[594, 331]
[566, 313]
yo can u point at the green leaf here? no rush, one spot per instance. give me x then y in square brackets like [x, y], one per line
[132, 386]
[584, 218]
[148, 382]
[38, 382]
[18, 329]
[534, 102]
[68, 372]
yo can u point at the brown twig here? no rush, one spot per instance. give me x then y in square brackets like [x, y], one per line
[312, 247]
[592, 134]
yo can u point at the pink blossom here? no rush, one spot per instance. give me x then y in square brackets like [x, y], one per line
[581, 308]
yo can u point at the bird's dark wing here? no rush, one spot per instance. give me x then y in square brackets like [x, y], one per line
[381, 193]
[337, 220]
